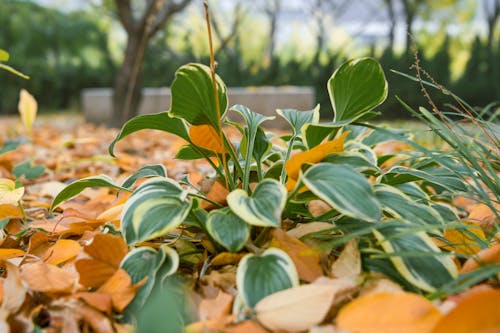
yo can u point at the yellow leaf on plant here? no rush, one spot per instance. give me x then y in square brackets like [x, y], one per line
[389, 313]
[207, 137]
[9, 194]
[63, 250]
[28, 108]
[314, 155]
[479, 312]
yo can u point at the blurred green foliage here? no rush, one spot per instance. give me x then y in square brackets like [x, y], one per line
[65, 52]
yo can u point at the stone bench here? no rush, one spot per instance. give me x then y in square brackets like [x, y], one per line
[97, 102]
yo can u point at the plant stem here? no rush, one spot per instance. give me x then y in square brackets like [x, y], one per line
[287, 156]
[21, 208]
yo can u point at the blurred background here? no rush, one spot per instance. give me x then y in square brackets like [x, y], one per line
[68, 45]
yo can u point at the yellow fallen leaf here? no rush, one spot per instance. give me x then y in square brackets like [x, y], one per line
[479, 312]
[47, 278]
[300, 308]
[9, 194]
[28, 108]
[63, 250]
[8, 210]
[206, 136]
[466, 242]
[10, 253]
[314, 155]
[389, 313]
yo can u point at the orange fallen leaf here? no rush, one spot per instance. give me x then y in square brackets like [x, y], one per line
[13, 290]
[48, 278]
[483, 216]
[8, 210]
[38, 244]
[100, 301]
[206, 136]
[387, 313]
[62, 251]
[106, 252]
[466, 242]
[214, 308]
[306, 260]
[10, 253]
[314, 155]
[480, 312]
[227, 258]
[121, 289]
[487, 256]
[217, 193]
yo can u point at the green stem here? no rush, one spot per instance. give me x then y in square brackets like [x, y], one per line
[207, 158]
[233, 155]
[21, 208]
[206, 199]
[287, 157]
[261, 235]
[259, 170]
[248, 162]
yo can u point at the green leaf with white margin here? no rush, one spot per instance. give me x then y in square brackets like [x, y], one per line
[228, 229]
[162, 121]
[343, 188]
[155, 208]
[146, 171]
[192, 152]
[4, 55]
[437, 176]
[144, 262]
[356, 88]
[193, 96]
[354, 159]
[75, 188]
[264, 207]
[259, 276]
[297, 119]
[399, 205]
[314, 134]
[416, 257]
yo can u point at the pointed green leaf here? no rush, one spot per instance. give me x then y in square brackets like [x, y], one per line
[192, 152]
[14, 71]
[356, 88]
[263, 207]
[416, 257]
[437, 176]
[75, 188]
[228, 229]
[158, 121]
[146, 171]
[343, 188]
[193, 96]
[155, 208]
[261, 276]
[297, 119]
[314, 134]
[8, 146]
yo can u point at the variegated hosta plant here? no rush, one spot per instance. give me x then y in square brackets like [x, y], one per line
[395, 205]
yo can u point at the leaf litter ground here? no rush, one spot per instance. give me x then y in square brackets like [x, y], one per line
[60, 272]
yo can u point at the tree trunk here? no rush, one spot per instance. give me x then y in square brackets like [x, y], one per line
[392, 26]
[128, 85]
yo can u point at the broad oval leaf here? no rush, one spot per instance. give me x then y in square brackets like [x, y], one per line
[414, 255]
[265, 205]
[228, 229]
[193, 96]
[146, 171]
[388, 312]
[155, 208]
[75, 188]
[356, 88]
[261, 276]
[345, 189]
[9, 194]
[158, 121]
[207, 137]
[4, 55]
[28, 108]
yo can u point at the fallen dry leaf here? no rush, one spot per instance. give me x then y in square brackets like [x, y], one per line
[246, 326]
[48, 278]
[227, 258]
[348, 264]
[388, 313]
[62, 251]
[121, 289]
[8, 210]
[300, 308]
[214, 308]
[479, 312]
[14, 292]
[100, 301]
[483, 216]
[466, 242]
[306, 260]
[487, 256]
[10, 253]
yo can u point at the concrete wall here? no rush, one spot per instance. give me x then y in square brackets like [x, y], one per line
[97, 102]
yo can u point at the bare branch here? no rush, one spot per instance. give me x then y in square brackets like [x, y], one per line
[167, 10]
[125, 15]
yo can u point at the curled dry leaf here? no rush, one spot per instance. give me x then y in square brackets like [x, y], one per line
[389, 313]
[487, 256]
[480, 312]
[305, 259]
[48, 278]
[106, 252]
[348, 264]
[121, 289]
[300, 308]
[63, 250]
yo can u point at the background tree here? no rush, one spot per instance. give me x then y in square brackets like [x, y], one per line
[140, 24]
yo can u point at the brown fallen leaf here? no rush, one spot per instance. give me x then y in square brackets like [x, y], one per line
[217, 193]
[389, 313]
[63, 250]
[214, 308]
[7, 210]
[380, 285]
[487, 256]
[106, 252]
[480, 312]
[300, 308]
[306, 260]
[48, 278]
[226, 258]
[13, 290]
[38, 244]
[121, 289]
[100, 301]
[483, 216]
